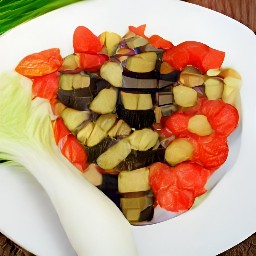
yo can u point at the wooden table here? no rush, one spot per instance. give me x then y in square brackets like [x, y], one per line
[241, 10]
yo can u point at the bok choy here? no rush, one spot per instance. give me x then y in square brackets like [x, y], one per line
[94, 225]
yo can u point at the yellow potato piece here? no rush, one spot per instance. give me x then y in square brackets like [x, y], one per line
[143, 140]
[199, 125]
[179, 150]
[133, 181]
[105, 101]
[184, 96]
[110, 40]
[113, 73]
[214, 88]
[231, 90]
[142, 63]
[74, 118]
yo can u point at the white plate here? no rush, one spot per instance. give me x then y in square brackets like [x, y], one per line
[227, 216]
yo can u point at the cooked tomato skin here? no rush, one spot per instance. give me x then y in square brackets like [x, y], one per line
[176, 188]
[70, 147]
[140, 30]
[85, 41]
[222, 116]
[92, 62]
[40, 63]
[159, 42]
[46, 87]
[175, 199]
[194, 53]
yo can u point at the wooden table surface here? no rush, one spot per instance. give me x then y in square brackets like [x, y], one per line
[241, 10]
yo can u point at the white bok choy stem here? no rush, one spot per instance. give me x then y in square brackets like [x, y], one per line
[94, 225]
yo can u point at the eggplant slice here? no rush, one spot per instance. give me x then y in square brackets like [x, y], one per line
[80, 98]
[95, 151]
[137, 119]
[138, 159]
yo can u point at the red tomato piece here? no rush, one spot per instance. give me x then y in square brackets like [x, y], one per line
[197, 52]
[213, 59]
[60, 130]
[174, 199]
[46, 86]
[191, 176]
[222, 116]
[140, 30]
[74, 151]
[92, 62]
[161, 176]
[159, 42]
[194, 53]
[85, 41]
[41, 63]
[212, 151]
[177, 123]
[69, 146]
[178, 58]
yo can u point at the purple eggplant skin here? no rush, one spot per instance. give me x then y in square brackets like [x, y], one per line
[147, 214]
[78, 99]
[138, 159]
[137, 119]
[171, 77]
[109, 187]
[147, 75]
[97, 84]
[95, 151]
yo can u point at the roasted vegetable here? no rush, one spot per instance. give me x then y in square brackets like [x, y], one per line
[199, 125]
[137, 119]
[194, 53]
[184, 96]
[78, 99]
[40, 63]
[136, 101]
[95, 151]
[73, 119]
[143, 62]
[179, 150]
[133, 181]
[100, 130]
[120, 129]
[114, 155]
[137, 209]
[78, 90]
[109, 187]
[138, 159]
[105, 101]
[214, 88]
[112, 72]
[143, 140]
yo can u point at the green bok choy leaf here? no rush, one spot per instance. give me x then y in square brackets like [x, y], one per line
[94, 225]
[15, 12]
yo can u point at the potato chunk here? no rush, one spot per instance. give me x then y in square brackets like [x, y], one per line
[112, 72]
[114, 155]
[214, 88]
[184, 96]
[143, 140]
[179, 150]
[143, 62]
[74, 118]
[199, 125]
[105, 101]
[136, 101]
[133, 181]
